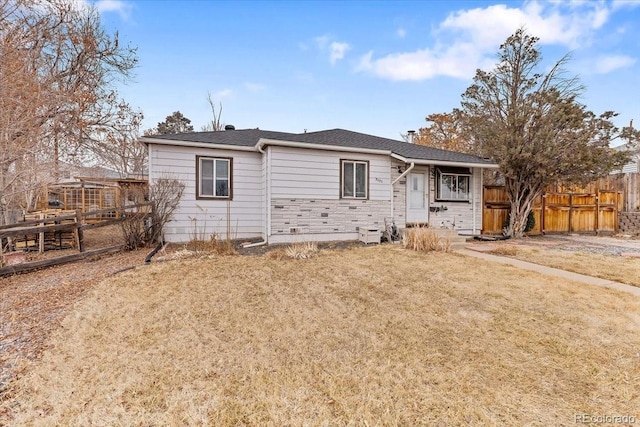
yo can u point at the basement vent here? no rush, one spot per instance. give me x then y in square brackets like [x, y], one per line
[294, 230]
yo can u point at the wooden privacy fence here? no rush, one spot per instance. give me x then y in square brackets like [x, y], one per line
[559, 210]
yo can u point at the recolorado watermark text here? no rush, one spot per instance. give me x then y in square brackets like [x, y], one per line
[604, 419]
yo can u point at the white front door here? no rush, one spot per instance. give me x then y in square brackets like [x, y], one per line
[417, 197]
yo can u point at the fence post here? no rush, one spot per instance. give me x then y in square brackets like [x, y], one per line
[79, 232]
[570, 212]
[543, 208]
[597, 211]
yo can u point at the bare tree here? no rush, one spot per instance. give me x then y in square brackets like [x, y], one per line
[117, 146]
[216, 123]
[57, 69]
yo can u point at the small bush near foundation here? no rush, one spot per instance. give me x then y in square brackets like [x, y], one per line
[213, 245]
[425, 239]
[302, 250]
[294, 251]
[504, 250]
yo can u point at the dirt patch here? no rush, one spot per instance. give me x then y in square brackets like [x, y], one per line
[33, 304]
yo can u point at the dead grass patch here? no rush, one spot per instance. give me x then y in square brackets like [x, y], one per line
[367, 336]
[425, 239]
[212, 245]
[609, 267]
[504, 250]
[298, 250]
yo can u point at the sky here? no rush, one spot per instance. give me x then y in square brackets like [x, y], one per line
[377, 67]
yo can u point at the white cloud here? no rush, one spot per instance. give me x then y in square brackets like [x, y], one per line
[607, 64]
[401, 32]
[322, 42]
[625, 4]
[123, 8]
[337, 51]
[468, 39]
[224, 93]
[254, 87]
[562, 23]
[458, 61]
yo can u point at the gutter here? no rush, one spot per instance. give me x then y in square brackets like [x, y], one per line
[147, 141]
[265, 141]
[429, 162]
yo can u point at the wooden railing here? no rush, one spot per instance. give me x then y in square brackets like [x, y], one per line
[36, 232]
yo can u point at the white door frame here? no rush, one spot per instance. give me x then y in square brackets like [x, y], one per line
[417, 196]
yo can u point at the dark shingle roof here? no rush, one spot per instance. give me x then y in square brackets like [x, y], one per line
[336, 137]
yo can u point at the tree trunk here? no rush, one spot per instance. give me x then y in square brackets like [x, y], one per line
[521, 200]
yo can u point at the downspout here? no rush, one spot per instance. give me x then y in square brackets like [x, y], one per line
[473, 202]
[267, 208]
[402, 175]
[411, 166]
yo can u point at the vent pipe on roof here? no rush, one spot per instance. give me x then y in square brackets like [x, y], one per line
[229, 127]
[410, 135]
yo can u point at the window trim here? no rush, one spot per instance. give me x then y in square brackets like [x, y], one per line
[200, 196]
[456, 173]
[341, 189]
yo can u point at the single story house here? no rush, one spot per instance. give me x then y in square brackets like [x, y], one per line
[316, 186]
[634, 162]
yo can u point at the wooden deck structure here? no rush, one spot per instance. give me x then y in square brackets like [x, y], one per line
[59, 229]
[91, 194]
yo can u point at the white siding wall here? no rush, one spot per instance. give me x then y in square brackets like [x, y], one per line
[633, 165]
[459, 215]
[305, 195]
[315, 174]
[205, 217]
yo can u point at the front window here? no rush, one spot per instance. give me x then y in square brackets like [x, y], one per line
[213, 178]
[355, 179]
[453, 184]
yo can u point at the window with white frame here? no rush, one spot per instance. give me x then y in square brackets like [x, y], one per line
[354, 179]
[213, 177]
[453, 184]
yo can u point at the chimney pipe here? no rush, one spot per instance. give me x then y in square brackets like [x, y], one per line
[410, 134]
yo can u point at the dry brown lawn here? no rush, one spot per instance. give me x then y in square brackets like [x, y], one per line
[365, 336]
[610, 267]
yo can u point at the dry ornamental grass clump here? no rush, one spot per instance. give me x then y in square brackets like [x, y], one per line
[504, 250]
[425, 239]
[212, 245]
[298, 250]
[367, 336]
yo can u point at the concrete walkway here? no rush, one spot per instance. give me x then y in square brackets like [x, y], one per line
[549, 271]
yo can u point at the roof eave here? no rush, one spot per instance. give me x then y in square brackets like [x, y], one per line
[444, 162]
[147, 140]
[294, 144]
